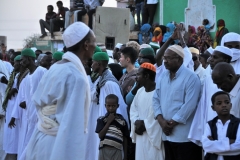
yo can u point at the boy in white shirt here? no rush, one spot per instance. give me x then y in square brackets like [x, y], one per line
[221, 139]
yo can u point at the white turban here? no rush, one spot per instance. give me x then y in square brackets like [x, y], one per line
[224, 50]
[75, 33]
[194, 50]
[229, 37]
[210, 50]
[177, 49]
[145, 46]
[118, 45]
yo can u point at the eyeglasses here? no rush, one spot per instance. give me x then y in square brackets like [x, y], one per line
[167, 58]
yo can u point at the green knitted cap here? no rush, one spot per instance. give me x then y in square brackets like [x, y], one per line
[147, 52]
[100, 56]
[17, 58]
[58, 56]
[97, 49]
[28, 52]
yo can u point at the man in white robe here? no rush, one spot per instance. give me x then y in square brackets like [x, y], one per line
[145, 130]
[3, 73]
[225, 78]
[32, 81]
[62, 100]
[107, 84]
[204, 113]
[232, 41]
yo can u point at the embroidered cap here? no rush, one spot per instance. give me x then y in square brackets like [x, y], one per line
[148, 66]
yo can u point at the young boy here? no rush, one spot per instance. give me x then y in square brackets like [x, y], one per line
[113, 132]
[221, 139]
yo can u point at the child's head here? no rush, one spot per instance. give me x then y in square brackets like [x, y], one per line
[111, 103]
[221, 103]
[205, 22]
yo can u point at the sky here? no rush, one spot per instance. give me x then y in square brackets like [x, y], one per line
[19, 19]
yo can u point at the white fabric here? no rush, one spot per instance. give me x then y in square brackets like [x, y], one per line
[32, 81]
[110, 53]
[230, 37]
[92, 3]
[142, 46]
[235, 99]
[200, 71]
[204, 112]
[75, 33]
[210, 50]
[76, 61]
[236, 66]
[149, 146]
[69, 92]
[118, 45]
[152, 1]
[194, 50]
[177, 49]
[236, 54]
[8, 66]
[221, 146]
[10, 139]
[3, 70]
[224, 50]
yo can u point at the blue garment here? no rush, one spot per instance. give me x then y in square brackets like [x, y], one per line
[177, 99]
[207, 27]
[169, 33]
[129, 97]
[145, 35]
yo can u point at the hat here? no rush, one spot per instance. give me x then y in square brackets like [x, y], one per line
[17, 58]
[144, 46]
[75, 33]
[28, 52]
[154, 45]
[58, 56]
[210, 50]
[194, 50]
[177, 49]
[229, 37]
[100, 56]
[118, 45]
[147, 51]
[148, 66]
[97, 49]
[224, 50]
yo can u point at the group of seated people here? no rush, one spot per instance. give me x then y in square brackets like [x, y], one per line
[61, 20]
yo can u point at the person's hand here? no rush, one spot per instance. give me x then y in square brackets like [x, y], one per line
[166, 127]
[210, 138]
[175, 34]
[111, 117]
[212, 26]
[129, 89]
[172, 123]
[4, 80]
[12, 124]
[139, 127]
[23, 105]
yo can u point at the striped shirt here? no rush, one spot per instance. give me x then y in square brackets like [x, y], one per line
[117, 129]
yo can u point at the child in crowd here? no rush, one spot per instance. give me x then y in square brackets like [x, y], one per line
[221, 139]
[113, 132]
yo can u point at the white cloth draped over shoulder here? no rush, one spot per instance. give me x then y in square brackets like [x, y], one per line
[65, 85]
[149, 146]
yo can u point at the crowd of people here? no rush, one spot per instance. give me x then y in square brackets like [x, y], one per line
[177, 100]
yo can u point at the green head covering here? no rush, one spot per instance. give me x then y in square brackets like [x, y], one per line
[17, 58]
[97, 49]
[28, 52]
[100, 56]
[147, 52]
[58, 56]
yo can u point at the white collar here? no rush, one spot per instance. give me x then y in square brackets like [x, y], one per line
[235, 89]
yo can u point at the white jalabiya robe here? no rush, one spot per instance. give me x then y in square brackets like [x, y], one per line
[149, 146]
[3, 72]
[97, 110]
[236, 66]
[31, 84]
[204, 111]
[200, 71]
[10, 139]
[9, 67]
[66, 87]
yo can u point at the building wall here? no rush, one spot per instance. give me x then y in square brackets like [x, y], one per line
[173, 10]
